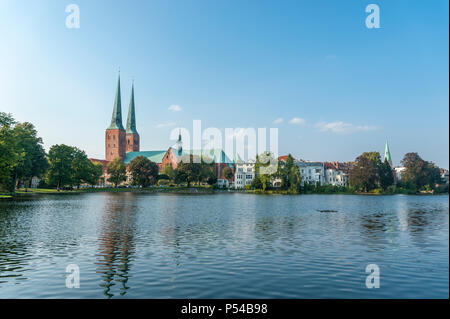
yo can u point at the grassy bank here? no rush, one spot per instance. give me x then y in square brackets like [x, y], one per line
[208, 190]
[42, 191]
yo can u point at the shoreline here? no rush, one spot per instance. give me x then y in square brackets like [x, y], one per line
[190, 190]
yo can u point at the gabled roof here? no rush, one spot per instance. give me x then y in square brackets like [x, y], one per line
[154, 156]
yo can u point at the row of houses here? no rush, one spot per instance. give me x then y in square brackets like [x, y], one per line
[314, 173]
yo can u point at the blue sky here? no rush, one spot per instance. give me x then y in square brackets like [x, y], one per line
[234, 64]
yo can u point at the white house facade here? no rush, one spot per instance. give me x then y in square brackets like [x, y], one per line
[334, 176]
[244, 174]
[312, 173]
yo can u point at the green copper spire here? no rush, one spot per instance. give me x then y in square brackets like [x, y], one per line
[131, 121]
[387, 154]
[116, 120]
[179, 144]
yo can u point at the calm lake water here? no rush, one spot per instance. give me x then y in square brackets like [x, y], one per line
[130, 245]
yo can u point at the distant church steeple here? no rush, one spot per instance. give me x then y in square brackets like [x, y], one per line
[387, 154]
[115, 133]
[179, 144]
[133, 144]
[116, 120]
[131, 120]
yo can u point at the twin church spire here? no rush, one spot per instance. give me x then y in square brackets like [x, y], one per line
[118, 140]
[116, 120]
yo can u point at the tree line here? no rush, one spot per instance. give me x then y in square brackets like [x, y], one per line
[143, 172]
[22, 157]
[369, 173]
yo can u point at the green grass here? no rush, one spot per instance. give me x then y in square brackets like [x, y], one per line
[5, 196]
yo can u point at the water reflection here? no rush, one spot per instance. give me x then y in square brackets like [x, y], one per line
[223, 246]
[116, 245]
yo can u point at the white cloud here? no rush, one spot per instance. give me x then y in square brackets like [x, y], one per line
[174, 108]
[297, 121]
[278, 121]
[166, 124]
[343, 128]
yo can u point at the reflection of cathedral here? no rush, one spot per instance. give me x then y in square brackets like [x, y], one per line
[116, 246]
[125, 142]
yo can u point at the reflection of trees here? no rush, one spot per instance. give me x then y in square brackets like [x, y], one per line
[375, 228]
[116, 245]
[15, 241]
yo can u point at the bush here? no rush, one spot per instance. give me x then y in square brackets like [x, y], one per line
[163, 177]
[376, 191]
[163, 182]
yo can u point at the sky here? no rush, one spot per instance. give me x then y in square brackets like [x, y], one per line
[312, 69]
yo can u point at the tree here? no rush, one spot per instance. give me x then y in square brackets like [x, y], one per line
[169, 171]
[117, 171]
[9, 157]
[227, 172]
[143, 171]
[256, 183]
[60, 172]
[419, 172]
[207, 171]
[33, 160]
[365, 173]
[188, 171]
[386, 175]
[95, 173]
[211, 180]
[81, 167]
[289, 174]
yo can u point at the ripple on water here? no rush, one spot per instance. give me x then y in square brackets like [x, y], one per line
[224, 246]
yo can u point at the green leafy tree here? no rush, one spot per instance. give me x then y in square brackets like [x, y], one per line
[386, 175]
[169, 171]
[143, 171]
[9, 158]
[81, 167]
[256, 183]
[95, 173]
[188, 170]
[207, 171]
[60, 172]
[117, 171]
[211, 180]
[227, 172]
[419, 172]
[365, 174]
[33, 161]
[289, 174]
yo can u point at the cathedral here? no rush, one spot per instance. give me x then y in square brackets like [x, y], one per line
[125, 142]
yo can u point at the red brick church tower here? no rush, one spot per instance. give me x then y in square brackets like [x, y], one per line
[115, 142]
[119, 141]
